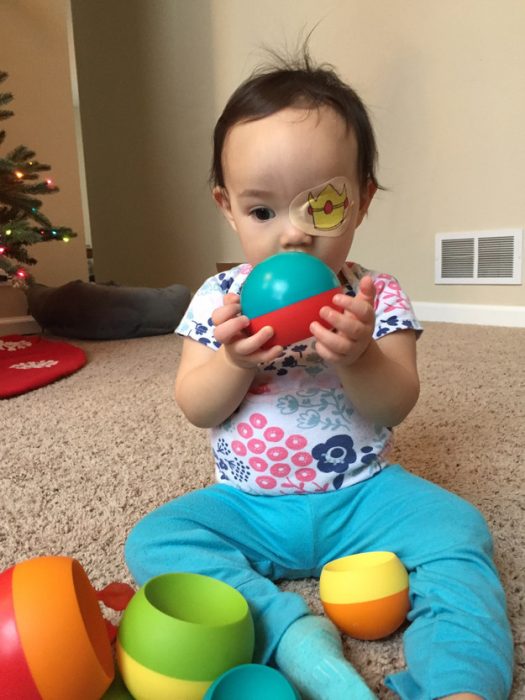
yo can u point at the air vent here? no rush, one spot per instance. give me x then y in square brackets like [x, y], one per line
[485, 257]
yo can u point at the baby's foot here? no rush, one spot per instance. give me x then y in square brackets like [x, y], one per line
[310, 654]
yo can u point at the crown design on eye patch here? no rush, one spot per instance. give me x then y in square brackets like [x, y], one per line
[329, 208]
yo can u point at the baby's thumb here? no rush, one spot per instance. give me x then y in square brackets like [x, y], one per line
[367, 290]
[230, 298]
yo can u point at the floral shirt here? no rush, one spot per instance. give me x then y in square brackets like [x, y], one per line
[295, 431]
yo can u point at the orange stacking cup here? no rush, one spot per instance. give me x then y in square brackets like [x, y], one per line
[61, 629]
[365, 595]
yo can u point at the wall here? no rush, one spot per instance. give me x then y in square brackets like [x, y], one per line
[443, 81]
[444, 84]
[146, 100]
[34, 52]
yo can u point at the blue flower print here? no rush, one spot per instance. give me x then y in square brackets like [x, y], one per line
[290, 361]
[287, 404]
[203, 333]
[200, 328]
[230, 469]
[309, 419]
[222, 447]
[393, 323]
[299, 348]
[209, 343]
[222, 466]
[335, 455]
[368, 455]
[225, 281]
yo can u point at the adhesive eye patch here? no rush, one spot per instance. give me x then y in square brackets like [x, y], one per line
[322, 210]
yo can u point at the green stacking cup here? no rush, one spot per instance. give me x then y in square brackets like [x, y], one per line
[179, 633]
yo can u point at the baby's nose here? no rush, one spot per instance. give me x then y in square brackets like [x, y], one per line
[293, 236]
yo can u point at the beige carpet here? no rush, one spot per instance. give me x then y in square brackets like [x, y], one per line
[83, 459]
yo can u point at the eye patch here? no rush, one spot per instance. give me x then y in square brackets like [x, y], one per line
[323, 210]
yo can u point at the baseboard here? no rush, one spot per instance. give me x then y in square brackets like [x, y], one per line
[477, 314]
[18, 325]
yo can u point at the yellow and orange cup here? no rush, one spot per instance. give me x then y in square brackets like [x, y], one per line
[365, 595]
[53, 639]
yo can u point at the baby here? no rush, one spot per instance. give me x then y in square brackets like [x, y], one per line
[301, 434]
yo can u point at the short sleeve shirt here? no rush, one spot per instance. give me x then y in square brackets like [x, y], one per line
[296, 432]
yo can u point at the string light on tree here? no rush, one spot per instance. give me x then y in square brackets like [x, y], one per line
[22, 223]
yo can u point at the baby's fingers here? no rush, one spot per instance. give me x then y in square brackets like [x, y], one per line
[227, 330]
[231, 298]
[253, 343]
[367, 290]
[360, 307]
[226, 312]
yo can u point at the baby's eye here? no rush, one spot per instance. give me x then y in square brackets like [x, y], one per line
[262, 213]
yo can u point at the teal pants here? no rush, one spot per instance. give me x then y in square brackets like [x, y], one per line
[459, 637]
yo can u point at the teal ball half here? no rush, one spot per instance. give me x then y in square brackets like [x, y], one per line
[285, 279]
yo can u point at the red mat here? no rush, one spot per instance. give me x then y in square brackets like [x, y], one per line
[28, 362]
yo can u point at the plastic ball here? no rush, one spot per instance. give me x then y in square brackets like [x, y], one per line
[179, 633]
[287, 291]
[53, 639]
[365, 595]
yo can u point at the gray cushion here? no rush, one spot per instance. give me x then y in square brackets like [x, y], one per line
[107, 311]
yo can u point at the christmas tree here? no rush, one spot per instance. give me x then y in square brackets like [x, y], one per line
[21, 222]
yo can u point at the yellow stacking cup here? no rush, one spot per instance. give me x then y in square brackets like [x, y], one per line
[179, 633]
[365, 595]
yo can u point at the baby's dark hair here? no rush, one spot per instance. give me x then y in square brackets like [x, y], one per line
[297, 82]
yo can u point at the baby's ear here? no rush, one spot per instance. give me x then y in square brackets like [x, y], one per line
[220, 195]
[367, 194]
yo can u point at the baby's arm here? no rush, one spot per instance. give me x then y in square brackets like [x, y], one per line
[383, 383]
[211, 384]
[379, 376]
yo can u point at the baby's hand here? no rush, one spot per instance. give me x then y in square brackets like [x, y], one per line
[243, 350]
[353, 326]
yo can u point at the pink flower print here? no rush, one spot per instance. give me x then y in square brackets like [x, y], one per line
[390, 294]
[266, 482]
[379, 286]
[239, 448]
[274, 434]
[277, 454]
[258, 420]
[302, 459]
[256, 446]
[245, 430]
[296, 442]
[305, 474]
[282, 460]
[260, 465]
[280, 470]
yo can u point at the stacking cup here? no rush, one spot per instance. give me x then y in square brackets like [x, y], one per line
[252, 682]
[53, 639]
[179, 633]
[365, 595]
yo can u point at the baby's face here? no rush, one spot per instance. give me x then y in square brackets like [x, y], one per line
[291, 183]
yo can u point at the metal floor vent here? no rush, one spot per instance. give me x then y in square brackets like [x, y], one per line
[485, 257]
